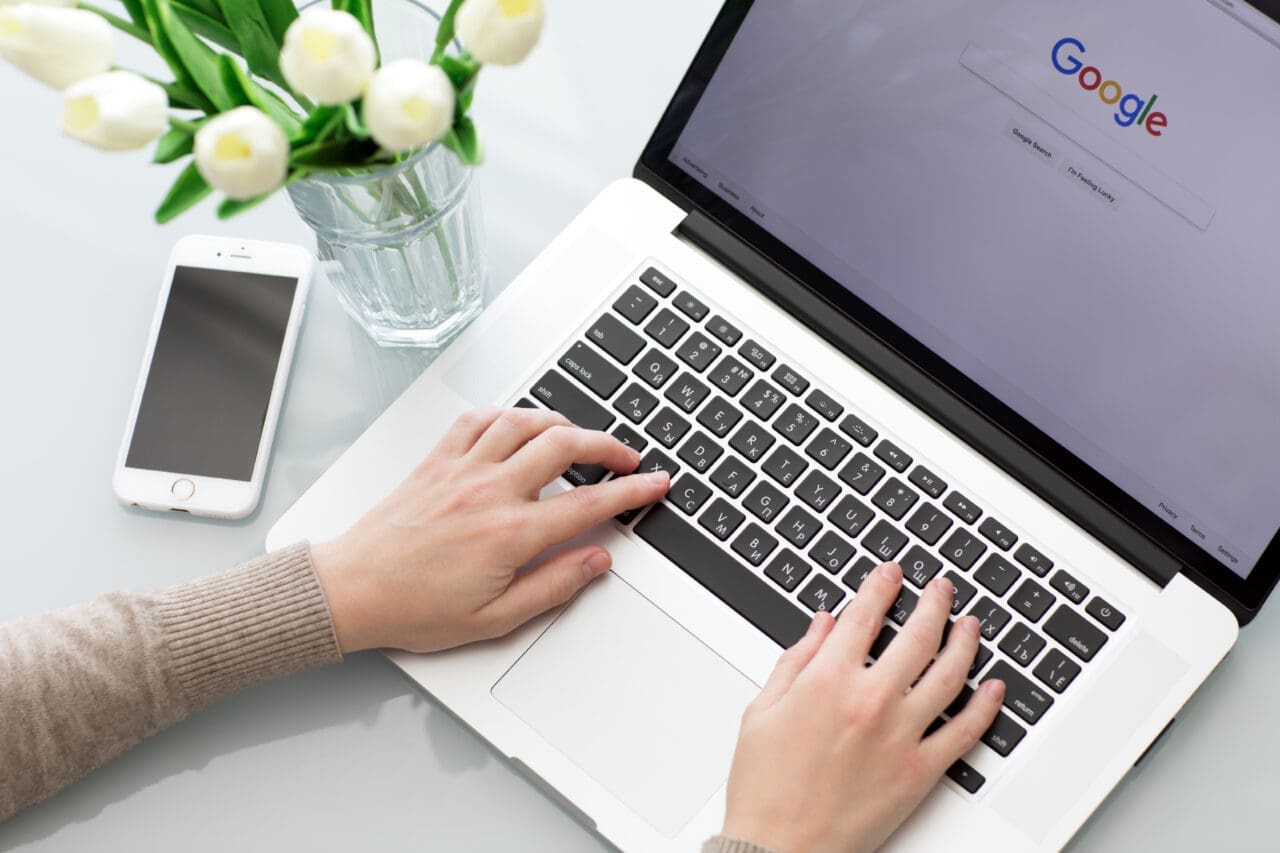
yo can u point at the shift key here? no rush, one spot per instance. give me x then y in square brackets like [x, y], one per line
[557, 392]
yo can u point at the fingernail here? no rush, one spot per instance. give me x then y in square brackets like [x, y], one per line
[891, 572]
[971, 625]
[658, 478]
[944, 586]
[599, 563]
[994, 688]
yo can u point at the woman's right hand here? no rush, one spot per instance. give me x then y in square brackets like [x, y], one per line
[832, 755]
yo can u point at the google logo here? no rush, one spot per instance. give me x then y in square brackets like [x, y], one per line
[1130, 109]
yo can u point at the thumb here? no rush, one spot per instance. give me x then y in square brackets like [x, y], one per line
[795, 659]
[550, 585]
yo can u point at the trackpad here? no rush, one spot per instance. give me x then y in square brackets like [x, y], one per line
[634, 700]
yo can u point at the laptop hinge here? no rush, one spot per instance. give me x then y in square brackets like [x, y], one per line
[914, 384]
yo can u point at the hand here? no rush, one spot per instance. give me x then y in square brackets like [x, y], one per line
[832, 754]
[434, 565]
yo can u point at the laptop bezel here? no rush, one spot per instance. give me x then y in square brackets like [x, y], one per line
[1243, 595]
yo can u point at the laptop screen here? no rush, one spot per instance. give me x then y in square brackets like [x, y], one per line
[1073, 204]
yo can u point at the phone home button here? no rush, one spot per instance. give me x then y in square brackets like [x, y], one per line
[183, 489]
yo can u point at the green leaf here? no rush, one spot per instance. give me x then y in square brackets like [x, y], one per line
[136, 14]
[444, 33]
[246, 90]
[461, 71]
[362, 9]
[465, 142]
[333, 153]
[185, 193]
[354, 124]
[258, 43]
[318, 125]
[176, 143]
[182, 98]
[279, 15]
[139, 32]
[231, 207]
[213, 29]
[191, 59]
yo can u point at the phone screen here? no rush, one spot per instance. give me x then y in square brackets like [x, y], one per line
[206, 396]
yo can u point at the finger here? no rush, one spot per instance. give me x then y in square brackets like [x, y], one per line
[920, 639]
[565, 516]
[860, 621]
[466, 430]
[555, 449]
[795, 659]
[549, 585]
[939, 687]
[962, 732]
[512, 430]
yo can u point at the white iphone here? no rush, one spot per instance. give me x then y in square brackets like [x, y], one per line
[213, 377]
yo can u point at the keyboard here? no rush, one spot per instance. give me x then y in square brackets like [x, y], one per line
[784, 498]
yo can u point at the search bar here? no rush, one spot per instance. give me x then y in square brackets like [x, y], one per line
[1126, 163]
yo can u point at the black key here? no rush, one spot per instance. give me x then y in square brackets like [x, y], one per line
[919, 566]
[585, 474]
[733, 476]
[635, 304]
[1105, 613]
[1033, 560]
[817, 491]
[881, 643]
[900, 611]
[828, 449]
[752, 441]
[635, 403]
[556, 392]
[1004, 734]
[997, 534]
[630, 437]
[962, 592]
[1022, 644]
[958, 703]
[690, 306]
[724, 331]
[785, 465]
[931, 483]
[667, 427]
[822, 403]
[765, 501]
[884, 541]
[754, 545]
[719, 416]
[992, 616]
[687, 392]
[721, 518]
[698, 351]
[963, 548]
[654, 368]
[730, 375]
[862, 474]
[1069, 586]
[858, 429]
[1031, 600]
[896, 457]
[1022, 696]
[525, 403]
[895, 498]
[666, 328]
[787, 570]
[1075, 633]
[790, 380]
[821, 594]
[762, 400]
[966, 777]
[997, 574]
[700, 451]
[831, 552]
[689, 494]
[929, 523]
[795, 424]
[658, 282]
[851, 515]
[962, 508]
[798, 527]
[862, 567]
[981, 659]
[628, 516]
[616, 339]
[1057, 670]
[590, 368]
[655, 460]
[733, 583]
[756, 354]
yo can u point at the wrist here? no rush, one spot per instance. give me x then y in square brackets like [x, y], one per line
[344, 593]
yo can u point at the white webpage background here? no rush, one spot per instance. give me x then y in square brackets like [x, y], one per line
[1142, 343]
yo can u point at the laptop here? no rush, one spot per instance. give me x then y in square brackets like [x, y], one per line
[986, 288]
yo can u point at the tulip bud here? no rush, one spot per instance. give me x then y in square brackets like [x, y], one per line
[408, 103]
[64, 3]
[116, 111]
[56, 46]
[242, 153]
[327, 56]
[501, 32]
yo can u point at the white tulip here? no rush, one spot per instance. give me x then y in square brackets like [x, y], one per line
[243, 153]
[116, 111]
[408, 103]
[38, 2]
[327, 56]
[501, 32]
[56, 46]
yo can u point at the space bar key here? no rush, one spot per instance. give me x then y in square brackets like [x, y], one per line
[729, 580]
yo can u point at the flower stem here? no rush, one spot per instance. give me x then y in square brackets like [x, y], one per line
[119, 23]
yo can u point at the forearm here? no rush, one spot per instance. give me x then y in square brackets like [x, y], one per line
[80, 686]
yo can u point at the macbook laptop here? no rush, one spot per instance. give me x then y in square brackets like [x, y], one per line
[983, 287]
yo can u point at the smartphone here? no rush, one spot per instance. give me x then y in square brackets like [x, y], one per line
[213, 377]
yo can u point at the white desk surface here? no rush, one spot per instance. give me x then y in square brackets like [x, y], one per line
[353, 757]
